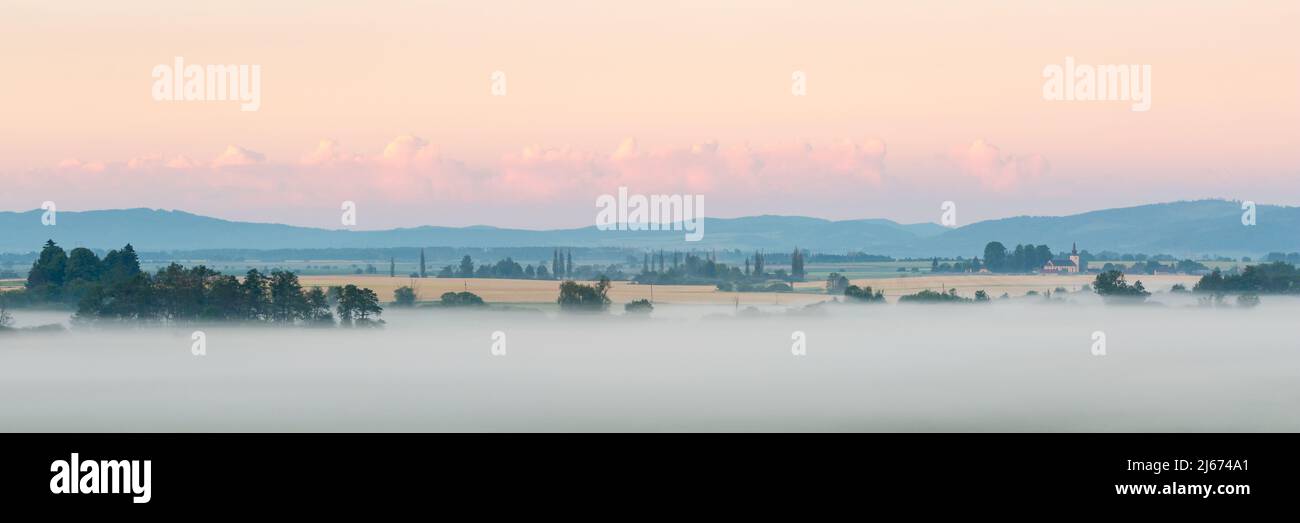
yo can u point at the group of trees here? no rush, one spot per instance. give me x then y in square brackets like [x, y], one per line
[1024, 258]
[460, 299]
[1292, 258]
[61, 277]
[1111, 284]
[852, 257]
[562, 267]
[580, 297]
[116, 288]
[863, 294]
[1153, 266]
[407, 296]
[960, 265]
[1271, 278]
[694, 269]
[506, 268]
[797, 272]
[929, 296]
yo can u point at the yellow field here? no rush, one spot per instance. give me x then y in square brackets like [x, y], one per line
[543, 291]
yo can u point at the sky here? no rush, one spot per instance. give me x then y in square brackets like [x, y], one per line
[521, 114]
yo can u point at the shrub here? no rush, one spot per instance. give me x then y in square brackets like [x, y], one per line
[461, 299]
[642, 306]
[929, 296]
[864, 294]
[404, 297]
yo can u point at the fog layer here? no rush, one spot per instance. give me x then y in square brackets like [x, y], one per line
[1006, 366]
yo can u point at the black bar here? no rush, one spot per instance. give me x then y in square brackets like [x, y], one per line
[323, 472]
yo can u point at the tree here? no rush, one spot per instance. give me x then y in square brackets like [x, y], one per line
[318, 308]
[995, 256]
[1112, 284]
[256, 302]
[575, 296]
[45, 280]
[980, 295]
[422, 272]
[133, 298]
[225, 299]
[404, 297]
[836, 284]
[121, 265]
[466, 267]
[796, 265]
[357, 305]
[83, 265]
[288, 304]
[392, 267]
[178, 292]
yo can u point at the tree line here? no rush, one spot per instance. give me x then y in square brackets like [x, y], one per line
[116, 288]
[1270, 278]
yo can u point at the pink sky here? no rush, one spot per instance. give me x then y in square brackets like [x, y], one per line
[389, 104]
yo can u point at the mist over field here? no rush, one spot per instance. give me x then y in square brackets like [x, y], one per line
[1015, 365]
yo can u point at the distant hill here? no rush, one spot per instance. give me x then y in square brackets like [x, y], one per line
[1180, 228]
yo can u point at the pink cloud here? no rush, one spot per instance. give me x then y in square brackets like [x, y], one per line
[995, 171]
[410, 175]
[235, 156]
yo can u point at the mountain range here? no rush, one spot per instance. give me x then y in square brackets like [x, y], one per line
[1182, 228]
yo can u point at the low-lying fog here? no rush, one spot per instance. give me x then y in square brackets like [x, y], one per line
[1017, 365]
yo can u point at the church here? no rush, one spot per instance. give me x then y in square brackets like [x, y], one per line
[1064, 266]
